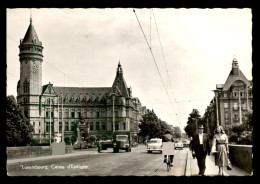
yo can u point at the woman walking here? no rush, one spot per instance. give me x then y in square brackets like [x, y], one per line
[220, 149]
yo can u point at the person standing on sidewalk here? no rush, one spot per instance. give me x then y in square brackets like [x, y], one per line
[220, 149]
[200, 148]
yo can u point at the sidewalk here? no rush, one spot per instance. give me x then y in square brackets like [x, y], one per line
[211, 169]
[89, 151]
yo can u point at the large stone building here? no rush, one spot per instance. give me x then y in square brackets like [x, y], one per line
[232, 100]
[50, 107]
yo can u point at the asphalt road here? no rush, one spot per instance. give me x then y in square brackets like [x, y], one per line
[135, 163]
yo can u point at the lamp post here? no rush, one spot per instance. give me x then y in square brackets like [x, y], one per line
[113, 110]
[50, 119]
[62, 123]
[216, 97]
[248, 87]
[239, 106]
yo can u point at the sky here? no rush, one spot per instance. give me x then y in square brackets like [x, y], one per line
[191, 51]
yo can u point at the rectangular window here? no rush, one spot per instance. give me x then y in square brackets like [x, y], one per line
[60, 114]
[91, 126]
[52, 114]
[116, 126]
[243, 105]
[235, 94]
[103, 126]
[47, 114]
[60, 126]
[241, 94]
[47, 126]
[97, 114]
[73, 114]
[226, 115]
[124, 126]
[225, 105]
[79, 114]
[66, 126]
[235, 105]
[66, 114]
[225, 94]
[235, 117]
[97, 125]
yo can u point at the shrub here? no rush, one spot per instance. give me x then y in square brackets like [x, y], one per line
[67, 141]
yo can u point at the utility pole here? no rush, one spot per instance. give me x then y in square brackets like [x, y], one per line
[239, 103]
[62, 128]
[216, 97]
[50, 119]
[113, 99]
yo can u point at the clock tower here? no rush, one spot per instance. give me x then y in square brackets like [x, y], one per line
[29, 86]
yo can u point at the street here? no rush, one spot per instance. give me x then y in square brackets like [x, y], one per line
[135, 163]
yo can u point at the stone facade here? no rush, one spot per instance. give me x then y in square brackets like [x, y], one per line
[64, 106]
[233, 100]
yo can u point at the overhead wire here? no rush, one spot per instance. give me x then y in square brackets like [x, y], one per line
[51, 65]
[154, 61]
[163, 55]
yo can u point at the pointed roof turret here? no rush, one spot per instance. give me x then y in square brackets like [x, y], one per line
[119, 69]
[31, 36]
[235, 67]
[234, 75]
[119, 82]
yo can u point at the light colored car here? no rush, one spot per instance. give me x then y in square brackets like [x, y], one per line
[154, 144]
[186, 143]
[178, 144]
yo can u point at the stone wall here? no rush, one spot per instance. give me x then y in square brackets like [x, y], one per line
[241, 156]
[32, 151]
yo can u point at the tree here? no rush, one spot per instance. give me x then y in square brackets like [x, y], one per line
[194, 117]
[67, 140]
[177, 132]
[151, 126]
[19, 131]
[242, 134]
[74, 129]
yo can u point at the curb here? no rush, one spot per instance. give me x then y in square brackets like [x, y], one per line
[77, 153]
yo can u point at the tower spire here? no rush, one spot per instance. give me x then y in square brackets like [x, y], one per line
[30, 16]
[235, 67]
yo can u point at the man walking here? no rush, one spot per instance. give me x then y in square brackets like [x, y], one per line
[200, 148]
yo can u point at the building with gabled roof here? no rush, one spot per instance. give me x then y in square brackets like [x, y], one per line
[232, 100]
[49, 107]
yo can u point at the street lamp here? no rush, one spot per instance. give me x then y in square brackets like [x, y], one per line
[248, 87]
[216, 95]
[113, 113]
[239, 105]
[50, 119]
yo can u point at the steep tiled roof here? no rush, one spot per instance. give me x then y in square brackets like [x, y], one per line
[78, 91]
[232, 78]
[30, 36]
[120, 82]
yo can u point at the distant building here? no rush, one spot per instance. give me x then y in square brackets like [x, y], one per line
[48, 107]
[233, 100]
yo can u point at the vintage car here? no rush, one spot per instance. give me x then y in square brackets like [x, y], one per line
[178, 144]
[186, 143]
[154, 144]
